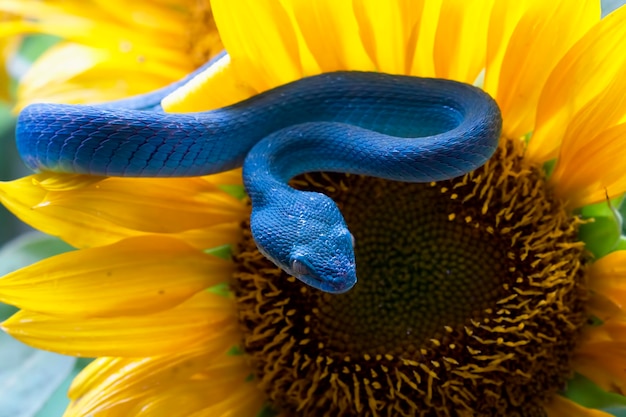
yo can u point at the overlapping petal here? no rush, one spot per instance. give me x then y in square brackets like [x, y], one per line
[591, 160]
[296, 38]
[83, 22]
[74, 73]
[140, 275]
[112, 49]
[607, 276]
[420, 38]
[216, 87]
[460, 46]
[265, 64]
[602, 355]
[87, 211]
[166, 384]
[199, 321]
[386, 33]
[588, 69]
[328, 22]
[526, 40]
[8, 46]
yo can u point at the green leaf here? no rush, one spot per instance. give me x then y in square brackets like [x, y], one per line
[604, 233]
[28, 377]
[586, 393]
[603, 209]
[29, 248]
[222, 289]
[224, 252]
[621, 243]
[236, 191]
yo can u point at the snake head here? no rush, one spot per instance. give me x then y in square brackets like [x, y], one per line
[305, 235]
[331, 266]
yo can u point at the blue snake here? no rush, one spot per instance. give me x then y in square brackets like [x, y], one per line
[396, 127]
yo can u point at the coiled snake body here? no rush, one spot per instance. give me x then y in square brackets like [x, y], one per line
[395, 127]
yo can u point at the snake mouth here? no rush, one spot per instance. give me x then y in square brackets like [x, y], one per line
[335, 282]
[335, 286]
[344, 282]
[343, 287]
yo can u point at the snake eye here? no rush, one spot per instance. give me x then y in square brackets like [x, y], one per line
[299, 268]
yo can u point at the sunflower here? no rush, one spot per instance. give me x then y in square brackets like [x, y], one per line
[477, 296]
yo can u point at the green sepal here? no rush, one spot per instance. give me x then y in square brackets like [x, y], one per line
[224, 252]
[603, 234]
[586, 393]
[266, 411]
[237, 191]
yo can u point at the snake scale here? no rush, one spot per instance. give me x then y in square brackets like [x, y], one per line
[395, 127]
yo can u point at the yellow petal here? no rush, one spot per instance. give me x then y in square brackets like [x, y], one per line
[142, 13]
[563, 407]
[603, 363]
[125, 34]
[95, 379]
[590, 171]
[426, 28]
[133, 61]
[603, 308]
[216, 87]
[84, 23]
[247, 401]
[163, 205]
[196, 322]
[526, 40]
[601, 357]
[293, 44]
[72, 73]
[392, 37]
[84, 32]
[329, 22]
[156, 385]
[587, 70]
[265, 48]
[138, 275]
[461, 41]
[61, 63]
[8, 47]
[261, 40]
[388, 33]
[607, 276]
[103, 212]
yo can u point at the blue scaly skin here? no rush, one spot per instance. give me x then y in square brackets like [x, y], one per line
[390, 126]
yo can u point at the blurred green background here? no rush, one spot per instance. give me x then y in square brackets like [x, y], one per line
[11, 166]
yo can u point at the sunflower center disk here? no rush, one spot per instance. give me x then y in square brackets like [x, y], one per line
[470, 300]
[421, 267]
